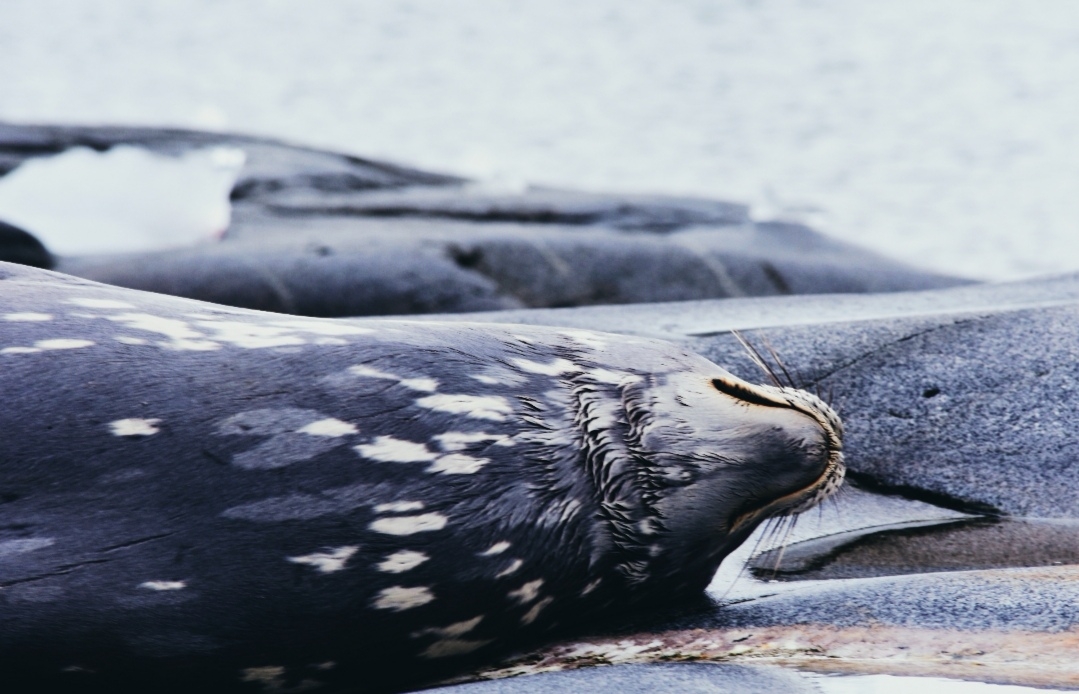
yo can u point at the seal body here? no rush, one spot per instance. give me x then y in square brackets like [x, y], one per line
[193, 495]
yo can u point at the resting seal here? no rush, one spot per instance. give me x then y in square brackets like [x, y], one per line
[193, 495]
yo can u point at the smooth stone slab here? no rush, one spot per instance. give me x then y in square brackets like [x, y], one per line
[304, 279]
[534, 205]
[422, 266]
[690, 678]
[1039, 599]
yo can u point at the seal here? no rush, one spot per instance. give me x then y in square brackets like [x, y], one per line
[200, 496]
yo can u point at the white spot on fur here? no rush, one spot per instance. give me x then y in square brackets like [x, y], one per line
[555, 368]
[496, 548]
[101, 303]
[586, 338]
[514, 565]
[399, 598]
[387, 449]
[488, 380]
[267, 675]
[134, 427]
[401, 561]
[132, 340]
[459, 440]
[27, 317]
[369, 372]
[181, 336]
[327, 562]
[330, 341]
[408, 525]
[251, 335]
[62, 343]
[456, 629]
[531, 615]
[163, 585]
[451, 647]
[491, 407]
[427, 385]
[591, 586]
[526, 593]
[328, 427]
[399, 507]
[458, 464]
[19, 350]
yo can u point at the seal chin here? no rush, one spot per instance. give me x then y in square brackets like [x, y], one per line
[711, 457]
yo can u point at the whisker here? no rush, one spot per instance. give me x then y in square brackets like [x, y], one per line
[788, 522]
[783, 546]
[764, 530]
[783, 367]
[756, 357]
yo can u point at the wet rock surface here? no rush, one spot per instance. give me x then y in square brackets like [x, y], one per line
[618, 679]
[324, 234]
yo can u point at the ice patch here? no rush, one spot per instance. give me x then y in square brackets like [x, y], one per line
[125, 200]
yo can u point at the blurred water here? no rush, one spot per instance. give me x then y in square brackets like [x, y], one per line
[941, 133]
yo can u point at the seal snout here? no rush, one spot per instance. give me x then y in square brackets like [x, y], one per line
[798, 458]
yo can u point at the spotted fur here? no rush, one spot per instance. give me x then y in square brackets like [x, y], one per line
[196, 496]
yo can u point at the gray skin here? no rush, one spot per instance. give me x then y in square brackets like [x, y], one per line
[195, 496]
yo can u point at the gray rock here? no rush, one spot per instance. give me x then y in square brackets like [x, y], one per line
[1043, 599]
[323, 234]
[687, 678]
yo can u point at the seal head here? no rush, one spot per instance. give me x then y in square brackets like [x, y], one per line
[698, 459]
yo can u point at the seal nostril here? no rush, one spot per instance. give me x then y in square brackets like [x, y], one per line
[931, 392]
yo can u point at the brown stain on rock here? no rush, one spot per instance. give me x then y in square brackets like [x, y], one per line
[1028, 658]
